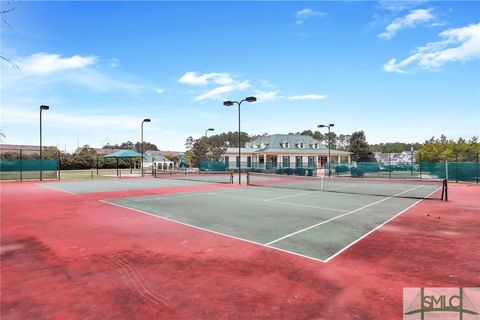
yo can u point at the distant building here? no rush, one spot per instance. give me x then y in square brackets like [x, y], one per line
[396, 158]
[284, 151]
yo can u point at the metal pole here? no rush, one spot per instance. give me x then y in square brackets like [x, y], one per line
[420, 164]
[456, 168]
[142, 149]
[329, 171]
[97, 164]
[446, 169]
[389, 167]
[411, 161]
[41, 156]
[58, 163]
[239, 147]
[478, 169]
[21, 166]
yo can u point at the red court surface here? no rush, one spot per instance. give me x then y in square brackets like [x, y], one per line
[70, 256]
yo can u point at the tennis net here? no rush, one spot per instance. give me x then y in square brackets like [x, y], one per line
[205, 176]
[403, 188]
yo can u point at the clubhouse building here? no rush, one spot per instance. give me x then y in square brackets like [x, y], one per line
[284, 151]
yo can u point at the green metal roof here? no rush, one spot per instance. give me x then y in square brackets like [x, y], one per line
[124, 154]
[275, 141]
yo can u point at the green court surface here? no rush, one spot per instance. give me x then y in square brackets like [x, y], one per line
[91, 186]
[314, 224]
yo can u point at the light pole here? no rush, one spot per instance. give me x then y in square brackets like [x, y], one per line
[144, 120]
[42, 107]
[328, 160]
[229, 103]
[209, 129]
[411, 160]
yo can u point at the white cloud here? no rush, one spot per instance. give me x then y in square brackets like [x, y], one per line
[217, 92]
[191, 78]
[266, 84]
[42, 70]
[224, 81]
[459, 44]
[114, 63]
[265, 96]
[306, 14]
[414, 18]
[44, 63]
[308, 97]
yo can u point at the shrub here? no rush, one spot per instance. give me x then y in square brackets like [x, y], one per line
[342, 169]
[310, 172]
[357, 172]
[300, 171]
[288, 171]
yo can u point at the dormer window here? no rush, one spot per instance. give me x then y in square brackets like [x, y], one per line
[315, 145]
[286, 144]
[262, 145]
[301, 145]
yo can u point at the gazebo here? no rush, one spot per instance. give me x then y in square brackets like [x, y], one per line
[123, 154]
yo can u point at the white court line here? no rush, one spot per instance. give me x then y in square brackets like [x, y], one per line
[277, 202]
[163, 197]
[288, 196]
[211, 231]
[337, 217]
[376, 228]
[57, 189]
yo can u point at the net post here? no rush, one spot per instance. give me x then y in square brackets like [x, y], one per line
[21, 166]
[97, 164]
[248, 178]
[445, 190]
[231, 177]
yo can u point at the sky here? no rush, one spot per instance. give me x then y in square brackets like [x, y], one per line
[399, 70]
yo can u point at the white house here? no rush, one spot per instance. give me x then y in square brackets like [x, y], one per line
[404, 157]
[158, 161]
[284, 151]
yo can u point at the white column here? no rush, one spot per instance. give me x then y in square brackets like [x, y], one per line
[338, 159]
[349, 159]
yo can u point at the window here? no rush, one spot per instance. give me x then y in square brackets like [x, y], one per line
[249, 162]
[227, 161]
[238, 162]
[315, 146]
[301, 145]
[286, 161]
[311, 162]
[286, 144]
[298, 161]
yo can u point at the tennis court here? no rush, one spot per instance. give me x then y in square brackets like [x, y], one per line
[164, 180]
[310, 223]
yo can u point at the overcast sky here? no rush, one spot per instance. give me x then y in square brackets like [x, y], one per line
[400, 71]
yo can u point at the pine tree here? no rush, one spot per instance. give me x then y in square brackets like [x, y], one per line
[360, 148]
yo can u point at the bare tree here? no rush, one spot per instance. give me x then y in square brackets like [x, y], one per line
[7, 7]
